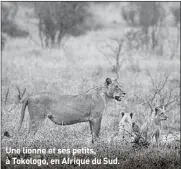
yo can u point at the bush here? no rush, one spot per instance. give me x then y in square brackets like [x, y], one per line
[143, 14]
[148, 17]
[176, 14]
[9, 27]
[12, 29]
[59, 19]
[129, 14]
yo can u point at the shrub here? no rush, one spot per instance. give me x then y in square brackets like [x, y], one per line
[148, 17]
[59, 19]
[12, 29]
[9, 27]
[176, 14]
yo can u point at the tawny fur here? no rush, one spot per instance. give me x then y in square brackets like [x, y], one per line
[71, 109]
[151, 129]
[125, 126]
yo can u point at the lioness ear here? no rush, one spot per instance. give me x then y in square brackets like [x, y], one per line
[122, 114]
[162, 107]
[156, 110]
[131, 115]
[133, 124]
[108, 81]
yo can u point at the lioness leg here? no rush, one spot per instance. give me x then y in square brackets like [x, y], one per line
[95, 126]
[157, 136]
[34, 126]
[37, 116]
[90, 127]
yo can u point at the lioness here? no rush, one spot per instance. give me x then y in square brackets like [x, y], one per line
[152, 128]
[125, 126]
[71, 109]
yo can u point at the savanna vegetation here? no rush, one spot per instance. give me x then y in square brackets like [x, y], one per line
[69, 47]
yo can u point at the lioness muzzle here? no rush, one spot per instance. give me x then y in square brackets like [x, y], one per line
[71, 109]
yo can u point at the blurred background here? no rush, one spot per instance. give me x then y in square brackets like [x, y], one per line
[68, 47]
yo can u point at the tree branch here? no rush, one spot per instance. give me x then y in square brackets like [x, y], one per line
[105, 56]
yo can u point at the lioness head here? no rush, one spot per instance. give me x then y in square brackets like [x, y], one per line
[160, 113]
[114, 89]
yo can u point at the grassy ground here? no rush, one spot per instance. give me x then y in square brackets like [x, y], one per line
[161, 157]
[73, 69]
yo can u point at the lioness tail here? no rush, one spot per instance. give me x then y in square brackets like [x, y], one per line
[25, 103]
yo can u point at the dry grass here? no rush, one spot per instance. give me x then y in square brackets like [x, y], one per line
[161, 157]
[73, 69]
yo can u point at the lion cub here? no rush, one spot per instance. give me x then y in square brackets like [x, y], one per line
[152, 127]
[125, 126]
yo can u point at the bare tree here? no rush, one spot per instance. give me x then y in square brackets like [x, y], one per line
[160, 94]
[18, 99]
[6, 96]
[20, 94]
[115, 48]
